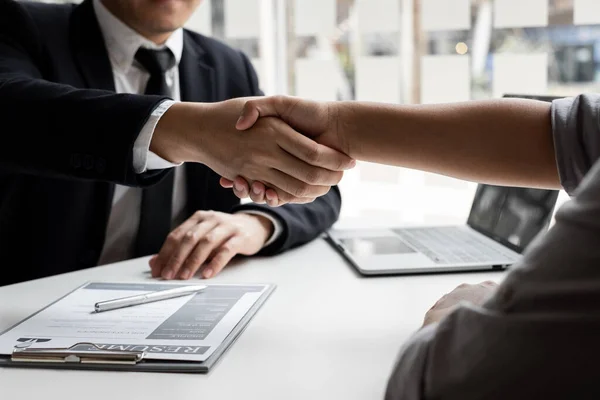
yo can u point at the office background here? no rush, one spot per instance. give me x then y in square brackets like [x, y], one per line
[411, 51]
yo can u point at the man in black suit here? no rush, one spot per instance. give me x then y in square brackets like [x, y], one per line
[88, 176]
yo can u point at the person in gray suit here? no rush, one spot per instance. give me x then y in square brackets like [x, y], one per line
[534, 336]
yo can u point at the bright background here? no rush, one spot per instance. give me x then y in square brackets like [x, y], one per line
[411, 51]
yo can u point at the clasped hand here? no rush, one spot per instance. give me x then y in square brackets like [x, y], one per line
[296, 167]
[316, 120]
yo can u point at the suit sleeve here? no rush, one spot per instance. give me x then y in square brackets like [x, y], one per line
[57, 130]
[301, 222]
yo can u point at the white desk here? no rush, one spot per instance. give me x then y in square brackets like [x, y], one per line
[325, 333]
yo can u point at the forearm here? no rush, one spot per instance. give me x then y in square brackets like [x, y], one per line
[188, 132]
[167, 141]
[505, 142]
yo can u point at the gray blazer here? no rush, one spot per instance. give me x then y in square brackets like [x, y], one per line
[538, 337]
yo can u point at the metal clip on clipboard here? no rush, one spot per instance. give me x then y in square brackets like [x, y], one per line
[71, 354]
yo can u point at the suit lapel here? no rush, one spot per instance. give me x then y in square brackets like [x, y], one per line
[89, 48]
[196, 78]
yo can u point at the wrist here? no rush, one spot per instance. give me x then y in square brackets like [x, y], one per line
[263, 225]
[343, 123]
[178, 135]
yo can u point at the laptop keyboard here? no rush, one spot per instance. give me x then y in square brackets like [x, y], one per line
[452, 245]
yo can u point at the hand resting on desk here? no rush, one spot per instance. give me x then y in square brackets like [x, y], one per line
[318, 121]
[209, 240]
[465, 293]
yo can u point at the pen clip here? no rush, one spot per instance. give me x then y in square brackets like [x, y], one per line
[92, 354]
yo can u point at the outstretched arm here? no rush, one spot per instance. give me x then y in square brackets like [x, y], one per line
[504, 142]
[69, 132]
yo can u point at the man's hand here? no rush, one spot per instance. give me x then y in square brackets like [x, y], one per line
[295, 166]
[474, 294]
[209, 236]
[316, 120]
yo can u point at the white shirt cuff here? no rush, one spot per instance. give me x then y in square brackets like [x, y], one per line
[143, 158]
[277, 226]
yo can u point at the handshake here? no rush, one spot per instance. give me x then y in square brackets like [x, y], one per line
[276, 150]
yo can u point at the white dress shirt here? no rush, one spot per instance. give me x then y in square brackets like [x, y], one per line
[122, 43]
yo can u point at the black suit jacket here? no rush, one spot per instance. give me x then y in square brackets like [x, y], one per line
[67, 138]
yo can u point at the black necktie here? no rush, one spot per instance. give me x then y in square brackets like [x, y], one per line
[155, 216]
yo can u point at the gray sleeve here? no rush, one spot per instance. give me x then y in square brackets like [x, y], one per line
[536, 337]
[407, 379]
[576, 132]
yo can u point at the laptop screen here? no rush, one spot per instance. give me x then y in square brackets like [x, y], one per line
[510, 215]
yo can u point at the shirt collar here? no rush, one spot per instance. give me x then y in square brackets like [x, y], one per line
[122, 42]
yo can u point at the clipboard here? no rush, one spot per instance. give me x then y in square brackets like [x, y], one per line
[88, 356]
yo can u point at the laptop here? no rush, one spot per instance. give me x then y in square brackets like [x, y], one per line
[502, 222]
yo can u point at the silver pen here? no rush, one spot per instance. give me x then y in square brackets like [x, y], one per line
[147, 298]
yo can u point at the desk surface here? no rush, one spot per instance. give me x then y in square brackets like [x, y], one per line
[325, 333]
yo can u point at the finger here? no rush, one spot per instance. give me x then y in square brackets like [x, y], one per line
[489, 283]
[151, 263]
[305, 172]
[171, 242]
[221, 258]
[241, 188]
[250, 114]
[310, 151]
[254, 109]
[286, 198]
[272, 198]
[258, 192]
[186, 244]
[304, 200]
[293, 110]
[275, 197]
[286, 185]
[274, 201]
[226, 183]
[209, 243]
